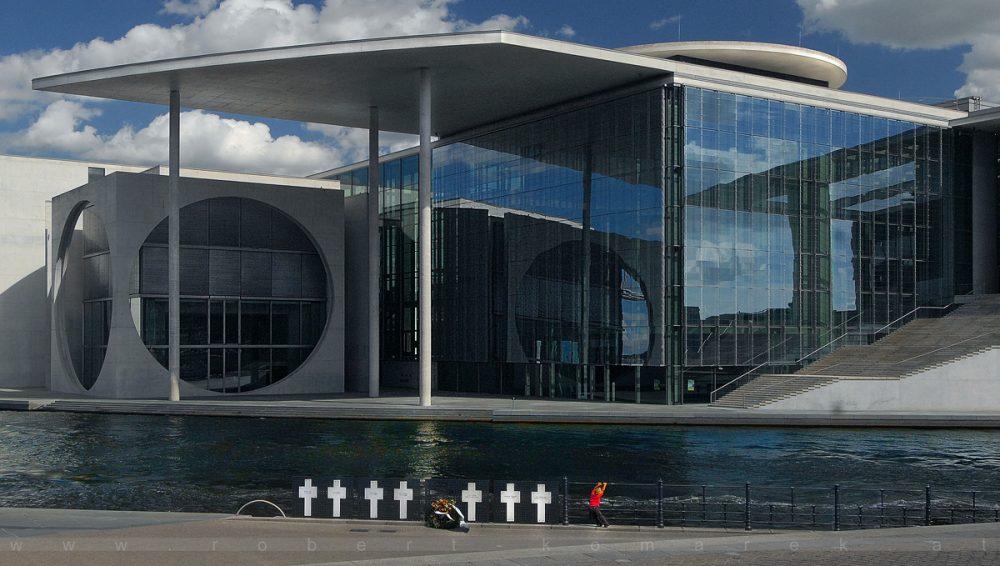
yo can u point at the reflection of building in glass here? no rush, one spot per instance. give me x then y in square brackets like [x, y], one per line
[798, 224]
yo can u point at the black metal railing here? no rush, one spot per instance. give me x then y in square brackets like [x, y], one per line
[658, 504]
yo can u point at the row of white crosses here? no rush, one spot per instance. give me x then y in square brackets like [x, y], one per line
[404, 494]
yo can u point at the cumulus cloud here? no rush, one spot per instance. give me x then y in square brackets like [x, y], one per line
[211, 26]
[920, 24]
[566, 31]
[207, 141]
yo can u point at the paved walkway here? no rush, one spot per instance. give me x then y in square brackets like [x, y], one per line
[405, 406]
[57, 537]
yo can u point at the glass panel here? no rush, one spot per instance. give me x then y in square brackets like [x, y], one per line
[194, 271]
[224, 225]
[232, 322]
[286, 275]
[255, 368]
[255, 322]
[153, 270]
[216, 325]
[255, 220]
[194, 322]
[194, 366]
[254, 268]
[154, 321]
[285, 323]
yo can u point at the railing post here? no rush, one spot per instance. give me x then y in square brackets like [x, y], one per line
[746, 509]
[565, 514]
[927, 505]
[836, 507]
[659, 503]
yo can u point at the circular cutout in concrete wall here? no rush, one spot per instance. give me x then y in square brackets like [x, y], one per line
[253, 294]
[84, 294]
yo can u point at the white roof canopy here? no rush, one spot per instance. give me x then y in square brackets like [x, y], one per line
[477, 78]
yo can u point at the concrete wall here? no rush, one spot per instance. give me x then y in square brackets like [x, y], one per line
[969, 384]
[131, 206]
[25, 185]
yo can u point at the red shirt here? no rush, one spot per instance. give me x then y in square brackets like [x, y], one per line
[595, 498]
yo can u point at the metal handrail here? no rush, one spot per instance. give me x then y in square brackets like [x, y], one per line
[714, 394]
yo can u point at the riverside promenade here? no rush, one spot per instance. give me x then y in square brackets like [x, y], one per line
[396, 405]
[81, 537]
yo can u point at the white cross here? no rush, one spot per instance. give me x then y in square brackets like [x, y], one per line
[472, 496]
[541, 498]
[373, 494]
[308, 492]
[402, 495]
[510, 497]
[337, 493]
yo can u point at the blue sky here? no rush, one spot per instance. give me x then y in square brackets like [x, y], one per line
[918, 50]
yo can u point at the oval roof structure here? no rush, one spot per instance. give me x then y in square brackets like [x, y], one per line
[772, 59]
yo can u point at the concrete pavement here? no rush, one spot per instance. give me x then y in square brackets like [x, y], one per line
[396, 405]
[56, 537]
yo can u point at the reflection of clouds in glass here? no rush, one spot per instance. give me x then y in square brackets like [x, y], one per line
[844, 287]
[751, 154]
[551, 186]
[883, 203]
[727, 252]
[857, 186]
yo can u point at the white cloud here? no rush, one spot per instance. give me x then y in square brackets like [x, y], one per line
[663, 22]
[389, 142]
[921, 24]
[215, 26]
[566, 31]
[207, 141]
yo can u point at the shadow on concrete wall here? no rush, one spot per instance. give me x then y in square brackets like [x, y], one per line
[24, 332]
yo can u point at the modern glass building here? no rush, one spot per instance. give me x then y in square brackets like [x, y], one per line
[641, 225]
[652, 244]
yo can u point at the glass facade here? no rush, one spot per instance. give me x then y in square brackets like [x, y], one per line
[650, 247]
[253, 294]
[804, 224]
[537, 228]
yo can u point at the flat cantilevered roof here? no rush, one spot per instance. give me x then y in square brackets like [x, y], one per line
[477, 78]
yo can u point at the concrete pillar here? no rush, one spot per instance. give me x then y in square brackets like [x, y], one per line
[373, 254]
[174, 248]
[424, 201]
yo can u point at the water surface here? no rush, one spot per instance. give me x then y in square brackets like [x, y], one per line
[215, 464]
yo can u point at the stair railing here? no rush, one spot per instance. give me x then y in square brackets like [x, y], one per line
[750, 374]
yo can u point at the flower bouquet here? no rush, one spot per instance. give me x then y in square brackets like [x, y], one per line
[441, 515]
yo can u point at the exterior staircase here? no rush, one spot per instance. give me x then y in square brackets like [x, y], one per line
[918, 346]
